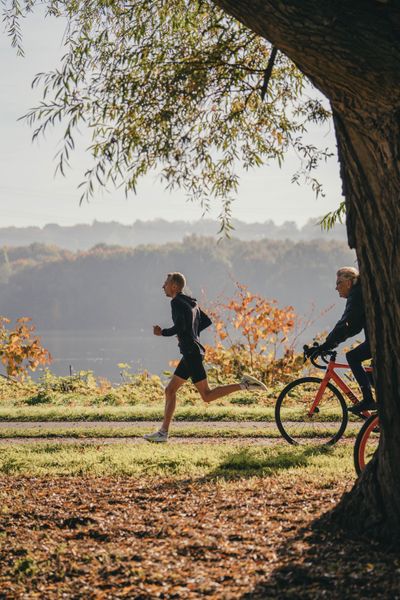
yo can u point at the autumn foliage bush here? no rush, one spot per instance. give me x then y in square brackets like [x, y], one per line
[252, 334]
[20, 349]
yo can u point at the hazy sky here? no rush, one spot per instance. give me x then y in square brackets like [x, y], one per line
[31, 195]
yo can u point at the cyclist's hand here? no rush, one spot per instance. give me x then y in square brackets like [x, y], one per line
[316, 350]
[324, 348]
[308, 350]
[320, 350]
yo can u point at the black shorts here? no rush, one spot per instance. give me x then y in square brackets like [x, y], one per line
[191, 365]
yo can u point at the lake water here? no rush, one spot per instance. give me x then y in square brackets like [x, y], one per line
[101, 351]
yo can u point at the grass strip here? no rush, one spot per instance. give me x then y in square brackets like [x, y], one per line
[144, 412]
[138, 412]
[197, 460]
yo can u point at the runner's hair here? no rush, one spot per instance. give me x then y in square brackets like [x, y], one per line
[178, 279]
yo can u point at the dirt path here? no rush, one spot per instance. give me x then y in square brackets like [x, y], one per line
[226, 432]
[84, 432]
[105, 441]
[177, 426]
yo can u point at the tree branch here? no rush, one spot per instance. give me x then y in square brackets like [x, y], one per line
[341, 39]
[268, 72]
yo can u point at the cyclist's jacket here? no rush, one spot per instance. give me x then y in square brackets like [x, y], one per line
[352, 320]
[188, 321]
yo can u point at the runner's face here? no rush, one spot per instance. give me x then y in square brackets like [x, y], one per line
[169, 288]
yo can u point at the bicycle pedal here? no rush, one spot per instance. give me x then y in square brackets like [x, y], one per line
[316, 409]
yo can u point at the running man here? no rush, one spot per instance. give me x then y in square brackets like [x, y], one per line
[351, 322]
[188, 321]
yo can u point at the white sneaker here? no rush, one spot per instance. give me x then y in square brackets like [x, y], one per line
[158, 436]
[251, 383]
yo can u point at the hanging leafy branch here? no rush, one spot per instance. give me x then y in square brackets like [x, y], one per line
[333, 217]
[176, 86]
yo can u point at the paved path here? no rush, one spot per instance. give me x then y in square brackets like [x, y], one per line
[102, 441]
[177, 425]
[119, 426]
[45, 432]
[42, 429]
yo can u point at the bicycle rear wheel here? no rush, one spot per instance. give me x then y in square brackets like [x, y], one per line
[366, 443]
[325, 426]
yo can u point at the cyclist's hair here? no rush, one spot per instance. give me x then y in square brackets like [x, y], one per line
[348, 273]
[178, 279]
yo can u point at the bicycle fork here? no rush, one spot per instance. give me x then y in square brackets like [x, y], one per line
[320, 393]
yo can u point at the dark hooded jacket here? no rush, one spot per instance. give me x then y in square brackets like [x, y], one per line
[352, 321]
[189, 320]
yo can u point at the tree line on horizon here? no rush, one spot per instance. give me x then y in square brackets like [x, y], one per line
[119, 287]
[159, 231]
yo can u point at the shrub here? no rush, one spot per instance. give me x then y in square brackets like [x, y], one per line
[83, 382]
[20, 350]
[251, 333]
[42, 397]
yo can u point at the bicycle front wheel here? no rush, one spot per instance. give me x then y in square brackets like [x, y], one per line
[325, 426]
[366, 443]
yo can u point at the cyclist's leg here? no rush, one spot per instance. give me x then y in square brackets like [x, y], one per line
[355, 358]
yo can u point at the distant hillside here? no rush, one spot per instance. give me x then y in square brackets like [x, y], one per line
[117, 287]
[83, 237]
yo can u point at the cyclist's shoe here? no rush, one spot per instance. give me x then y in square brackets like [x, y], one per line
[158, 437]
[366, 404]
[251, 383]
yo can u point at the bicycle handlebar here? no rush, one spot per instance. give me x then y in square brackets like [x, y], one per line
[323, 356]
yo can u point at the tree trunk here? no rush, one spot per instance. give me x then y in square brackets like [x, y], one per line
[369, 153]
[351, 52]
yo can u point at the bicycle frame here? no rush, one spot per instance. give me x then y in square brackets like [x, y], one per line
[331, 374]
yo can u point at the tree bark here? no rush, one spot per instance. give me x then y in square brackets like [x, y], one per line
[370, 168]
[351, 52]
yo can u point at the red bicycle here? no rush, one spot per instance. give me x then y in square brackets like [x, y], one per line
[312, 410]
[366, 443]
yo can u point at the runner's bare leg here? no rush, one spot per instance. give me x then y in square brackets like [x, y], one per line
[170, 400]
[209, 395]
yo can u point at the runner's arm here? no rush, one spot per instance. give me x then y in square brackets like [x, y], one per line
[179, 325]
[168, 331]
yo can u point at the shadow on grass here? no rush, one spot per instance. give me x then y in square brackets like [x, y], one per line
[240, 462]
[250, 462]
[323, 561]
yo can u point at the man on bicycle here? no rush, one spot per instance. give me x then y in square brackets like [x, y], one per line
[351, 322]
